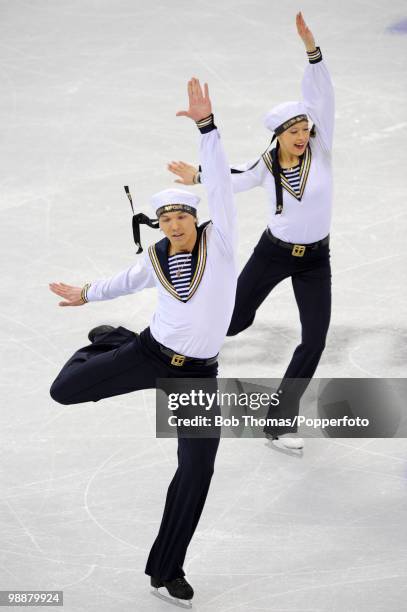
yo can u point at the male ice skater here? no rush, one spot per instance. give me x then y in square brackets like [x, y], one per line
[194, 270]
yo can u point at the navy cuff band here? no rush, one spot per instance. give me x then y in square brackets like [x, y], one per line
[206, 125]
[314, 56]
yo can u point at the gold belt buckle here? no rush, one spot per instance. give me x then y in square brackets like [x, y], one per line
[298, 250]
[177, 360]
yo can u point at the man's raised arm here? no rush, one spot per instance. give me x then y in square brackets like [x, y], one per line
[215, 167]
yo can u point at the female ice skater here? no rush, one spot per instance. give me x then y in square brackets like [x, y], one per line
[297, 176]
[194, 271]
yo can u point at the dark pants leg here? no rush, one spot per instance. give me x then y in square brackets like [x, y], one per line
[264, 270]
[183, 507]
[120, 362]
[312, 290]
[115, 364]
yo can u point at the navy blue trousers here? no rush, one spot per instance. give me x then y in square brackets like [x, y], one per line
[121, 362]
[311, 281]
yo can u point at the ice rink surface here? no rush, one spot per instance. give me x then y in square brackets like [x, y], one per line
[88, 102]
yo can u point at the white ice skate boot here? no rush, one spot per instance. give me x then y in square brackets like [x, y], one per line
[288, 440]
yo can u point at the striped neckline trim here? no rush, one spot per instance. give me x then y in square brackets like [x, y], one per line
[197, 276]
[303, 173]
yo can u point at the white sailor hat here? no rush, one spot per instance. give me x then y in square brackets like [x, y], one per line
[172, 200]
[283, 116]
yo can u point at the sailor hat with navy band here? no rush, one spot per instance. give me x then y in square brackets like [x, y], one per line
[283, 116]
[173, 200]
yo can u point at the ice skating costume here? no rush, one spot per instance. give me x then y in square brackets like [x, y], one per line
[186, 333]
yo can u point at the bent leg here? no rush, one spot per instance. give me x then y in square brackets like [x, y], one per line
[265, 269]
[114, 365]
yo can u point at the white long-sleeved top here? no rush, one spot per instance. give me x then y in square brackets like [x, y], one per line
[196, 327]
[309, 219]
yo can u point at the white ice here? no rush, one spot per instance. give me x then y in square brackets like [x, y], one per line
[89, 91]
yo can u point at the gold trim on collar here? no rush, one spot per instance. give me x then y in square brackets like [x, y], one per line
[200, 266]
[304, 172]
[199, 270]
[160, 274]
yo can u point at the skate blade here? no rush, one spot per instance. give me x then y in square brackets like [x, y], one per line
[186, 605]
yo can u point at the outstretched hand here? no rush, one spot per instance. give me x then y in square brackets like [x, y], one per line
[199, 102]
[305, 33]
[71, 295]
[186, 172]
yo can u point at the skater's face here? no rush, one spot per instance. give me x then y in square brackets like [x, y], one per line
[295, 139]
[180, 229]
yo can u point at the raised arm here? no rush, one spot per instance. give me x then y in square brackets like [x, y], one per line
[133, 279]
[317, 89]
[215, 168]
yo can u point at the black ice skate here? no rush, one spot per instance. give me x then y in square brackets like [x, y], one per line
[99, 331]
[180, 592]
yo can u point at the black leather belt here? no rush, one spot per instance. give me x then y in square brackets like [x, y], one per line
[180, 360]
[297, 250]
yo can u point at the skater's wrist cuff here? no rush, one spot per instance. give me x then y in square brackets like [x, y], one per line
[84, 293]
[314, 56]
[197, 178]
[206, 125]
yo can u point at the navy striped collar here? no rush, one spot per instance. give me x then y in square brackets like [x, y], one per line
[158, 254]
